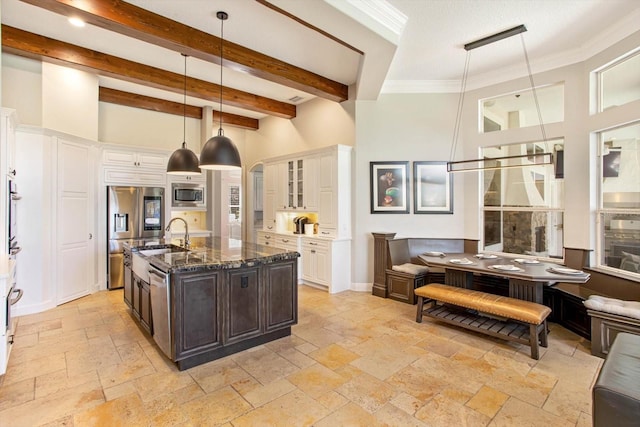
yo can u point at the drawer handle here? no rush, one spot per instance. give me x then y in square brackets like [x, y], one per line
[267, 237]
[313, 251]
[269, 227]
[314, 244]
[285, 240]
[325, 232]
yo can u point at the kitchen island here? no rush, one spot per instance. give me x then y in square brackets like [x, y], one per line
[213, 299]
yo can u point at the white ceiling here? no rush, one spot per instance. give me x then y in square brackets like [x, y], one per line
[423, 53]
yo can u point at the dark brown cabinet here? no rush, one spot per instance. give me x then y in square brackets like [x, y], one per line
[128, 277]
[196, 313]
[141, 302]
[242, 303]
[215, 313]
[281, 298]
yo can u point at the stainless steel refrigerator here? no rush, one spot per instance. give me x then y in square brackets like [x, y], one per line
[132, 213]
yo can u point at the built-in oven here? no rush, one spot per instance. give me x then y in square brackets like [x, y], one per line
[187, 195]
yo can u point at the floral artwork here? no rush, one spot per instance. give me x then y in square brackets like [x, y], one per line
[389, 187]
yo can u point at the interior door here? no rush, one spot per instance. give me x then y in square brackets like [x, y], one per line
[75, 244]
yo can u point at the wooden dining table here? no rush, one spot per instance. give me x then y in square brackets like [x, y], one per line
[527, 276]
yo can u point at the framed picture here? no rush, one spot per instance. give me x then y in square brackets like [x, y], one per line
[432, 188]
[389, 187]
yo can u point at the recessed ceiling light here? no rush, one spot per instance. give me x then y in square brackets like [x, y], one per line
[76, 22]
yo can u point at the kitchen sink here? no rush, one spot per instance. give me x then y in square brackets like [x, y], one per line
[160, 251]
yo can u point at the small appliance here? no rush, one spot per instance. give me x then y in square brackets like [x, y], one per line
[299, 223]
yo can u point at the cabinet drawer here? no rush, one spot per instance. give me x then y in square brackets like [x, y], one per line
[308, 243]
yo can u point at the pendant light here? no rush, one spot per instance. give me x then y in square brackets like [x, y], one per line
[183, 161]
[219, 152]
[505, 161]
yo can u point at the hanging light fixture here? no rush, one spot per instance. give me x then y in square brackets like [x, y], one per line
[496, 162]
[183, 161]
[219, 152]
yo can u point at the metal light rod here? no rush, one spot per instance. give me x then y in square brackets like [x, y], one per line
[496, 37]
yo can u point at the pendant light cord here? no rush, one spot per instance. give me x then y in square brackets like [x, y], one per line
[222, 18]
[533, 89]
[463, 89]
[184, 106]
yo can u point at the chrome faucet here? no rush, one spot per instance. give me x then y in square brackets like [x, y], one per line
[187, 242]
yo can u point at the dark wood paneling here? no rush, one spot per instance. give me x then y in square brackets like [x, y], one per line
[281, 297]
[243, 307]
[196, 308]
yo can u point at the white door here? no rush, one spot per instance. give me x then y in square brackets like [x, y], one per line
[75, 203]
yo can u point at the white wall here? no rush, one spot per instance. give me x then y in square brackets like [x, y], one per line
[401, 127]
[22, 88]
[319, 123]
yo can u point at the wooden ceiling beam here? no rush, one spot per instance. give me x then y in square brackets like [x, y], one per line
[35, 46]
[133, 21]
[134, 100]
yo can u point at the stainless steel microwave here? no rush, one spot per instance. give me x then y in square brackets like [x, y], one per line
[187, 195]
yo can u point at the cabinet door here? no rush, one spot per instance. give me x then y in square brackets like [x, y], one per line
[323, 266]
[145, 307]
[152, 160]
[196, 313]
[327, 213]
[243, 305]
[128, 282]
[135, 296]
[119, 158]
[310, 181]
[308, 263]
[282, 187]
[281, 295]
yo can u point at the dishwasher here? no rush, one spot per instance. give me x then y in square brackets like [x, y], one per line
[159, 289]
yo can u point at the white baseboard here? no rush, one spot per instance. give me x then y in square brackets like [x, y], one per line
[23, 310]
[362, 287]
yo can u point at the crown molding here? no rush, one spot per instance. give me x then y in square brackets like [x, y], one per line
[377, 15]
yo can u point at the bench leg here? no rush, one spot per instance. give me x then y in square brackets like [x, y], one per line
[419, 312]
[533, 341]
[543, 335]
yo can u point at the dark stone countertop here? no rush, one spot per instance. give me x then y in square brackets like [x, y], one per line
[208, 253]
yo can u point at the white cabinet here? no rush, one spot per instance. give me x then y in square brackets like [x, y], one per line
[287, 242]
[326, 263]
[134, 166]
[310, 181]
[188, 179]
[334, 186]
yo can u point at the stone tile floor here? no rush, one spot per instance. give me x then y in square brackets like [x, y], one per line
[352, 360]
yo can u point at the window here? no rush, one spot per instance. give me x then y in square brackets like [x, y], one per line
[518, 109]
[619, 205]
[523, 206]
[619, 83]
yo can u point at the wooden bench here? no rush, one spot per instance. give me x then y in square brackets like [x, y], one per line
[503, 317]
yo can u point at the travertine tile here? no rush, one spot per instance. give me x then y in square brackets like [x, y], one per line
[384, 363]
[33, 368]
[294, 409]
[126, 410]
[87, 362]
[348, 415]
[441, 411]
[316, 380]
[334, 356]
[58, 381]
[392, 416]
[368, 392]
[17, 393]
[264, 365]
[515, 412]
[488, 401]
[217, 374]
[264, 394]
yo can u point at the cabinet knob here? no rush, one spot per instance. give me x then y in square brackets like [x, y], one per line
[90, 236]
